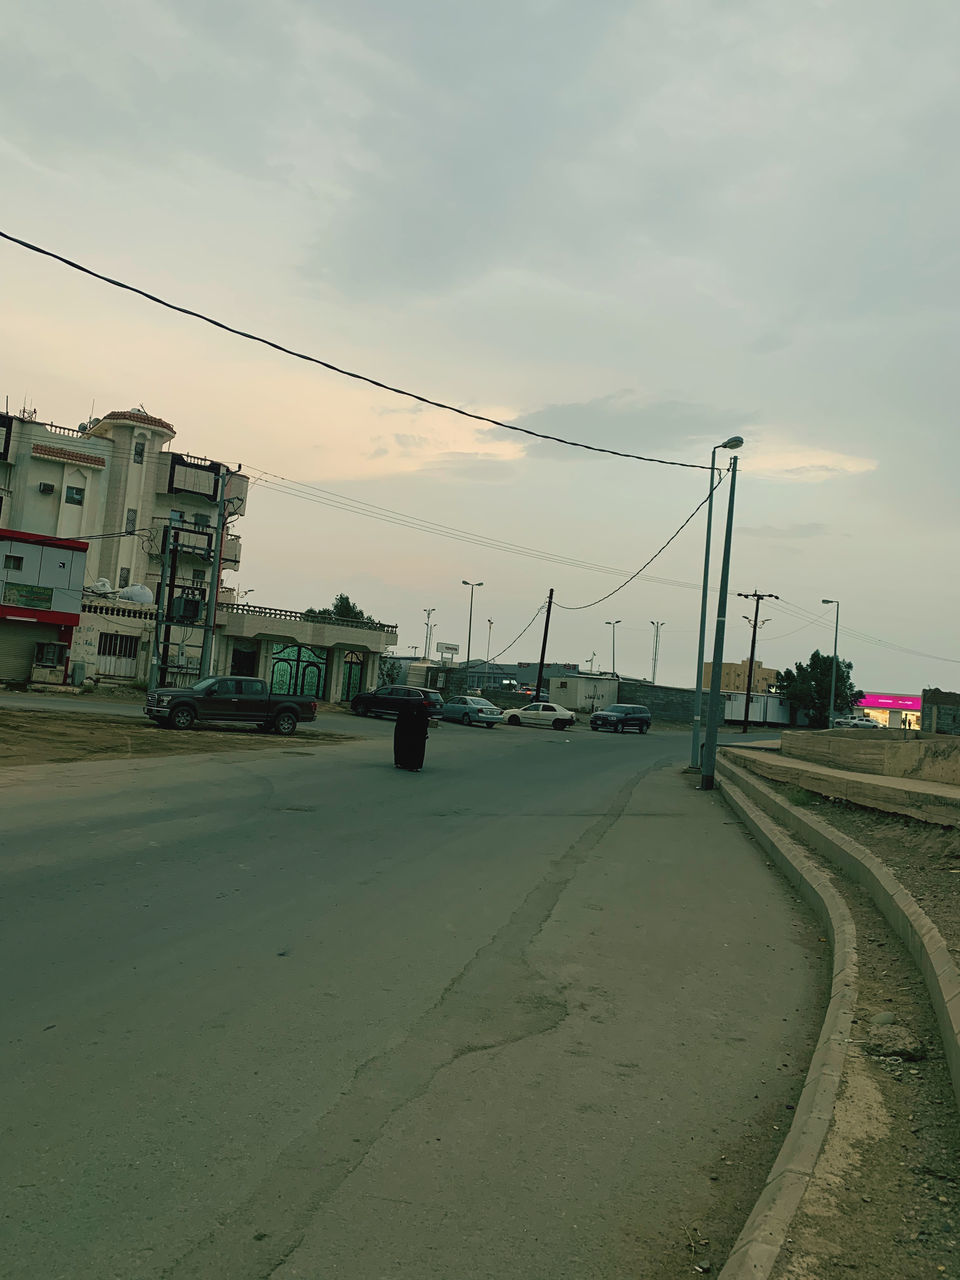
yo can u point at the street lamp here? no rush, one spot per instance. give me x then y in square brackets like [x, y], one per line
[613, 635]
[714, 714]
[656, 648]
[734, 442]
[426, 642]
[833, 674]
[489, 638]
[472, 586]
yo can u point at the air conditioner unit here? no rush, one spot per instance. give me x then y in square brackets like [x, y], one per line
[46, 488]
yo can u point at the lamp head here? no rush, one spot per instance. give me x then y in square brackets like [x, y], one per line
[734, 442]
[829, 601]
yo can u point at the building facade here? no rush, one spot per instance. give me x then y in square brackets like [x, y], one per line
[149, 514]
[41, 590]
[733, 677]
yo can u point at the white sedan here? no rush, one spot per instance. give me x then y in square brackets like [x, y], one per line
[542, 713]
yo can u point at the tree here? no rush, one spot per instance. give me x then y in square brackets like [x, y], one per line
[342, 607]
[391, 671]
[807, 688]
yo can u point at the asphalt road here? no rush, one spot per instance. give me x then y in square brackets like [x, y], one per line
[303, 1015]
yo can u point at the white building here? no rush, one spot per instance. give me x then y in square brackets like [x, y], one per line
[118, 484]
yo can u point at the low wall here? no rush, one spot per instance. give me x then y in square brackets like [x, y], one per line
[665, 702]
[889, 753]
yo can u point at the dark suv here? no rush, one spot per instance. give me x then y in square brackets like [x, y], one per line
[389, 700]
[622, 716]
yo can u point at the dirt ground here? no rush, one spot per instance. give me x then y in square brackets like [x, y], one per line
[886, 1198]
[46, 737]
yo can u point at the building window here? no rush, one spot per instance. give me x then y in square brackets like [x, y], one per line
[176, 517]
[73, 496]
[124, 579]
[131, 521]
[138, 449]
[199, 575]
[13, 562]
[112, 644]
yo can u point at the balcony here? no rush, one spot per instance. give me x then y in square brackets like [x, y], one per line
[231, 552]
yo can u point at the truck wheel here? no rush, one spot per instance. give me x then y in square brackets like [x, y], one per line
[181, 718]
[618, 728]
[644, 728]
[285, 724]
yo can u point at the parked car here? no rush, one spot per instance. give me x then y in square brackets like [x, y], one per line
[622, 716]
[232, 699]
[471, 711]
[856, 722]
[542, 713]
[388, 700]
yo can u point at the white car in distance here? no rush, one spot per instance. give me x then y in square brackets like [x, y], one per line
[543, 714]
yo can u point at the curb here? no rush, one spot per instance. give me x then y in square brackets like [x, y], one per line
[922, 939]
[759, 1243]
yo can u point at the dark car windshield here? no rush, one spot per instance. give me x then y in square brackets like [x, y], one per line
[202, 685]
[618, 706]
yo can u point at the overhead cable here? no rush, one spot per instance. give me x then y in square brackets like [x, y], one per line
[345, 373]
[575, 607]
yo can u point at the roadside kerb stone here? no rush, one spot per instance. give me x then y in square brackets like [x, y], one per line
[895, 903]
[758, 1245]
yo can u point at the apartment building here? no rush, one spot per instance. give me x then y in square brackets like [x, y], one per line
[733, 677]
[119, 484]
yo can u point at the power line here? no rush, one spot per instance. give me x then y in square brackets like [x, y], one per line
[799, 611]
[540, 610]
[572, 608]
[345, 373]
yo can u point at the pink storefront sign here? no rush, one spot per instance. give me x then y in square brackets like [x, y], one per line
[890, 701]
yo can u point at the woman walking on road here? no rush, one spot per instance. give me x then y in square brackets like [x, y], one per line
[410, 737]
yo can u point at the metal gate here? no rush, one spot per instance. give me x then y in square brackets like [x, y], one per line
[18, 643]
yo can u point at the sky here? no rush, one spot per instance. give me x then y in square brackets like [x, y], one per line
[644, 226]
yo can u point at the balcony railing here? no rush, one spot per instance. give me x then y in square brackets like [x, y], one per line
[291, 615]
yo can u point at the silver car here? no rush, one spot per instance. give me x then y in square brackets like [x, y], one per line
[468, 710]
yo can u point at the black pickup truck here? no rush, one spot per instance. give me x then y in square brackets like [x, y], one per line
[232, 699]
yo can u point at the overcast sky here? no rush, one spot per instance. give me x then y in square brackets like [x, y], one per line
[642, 225]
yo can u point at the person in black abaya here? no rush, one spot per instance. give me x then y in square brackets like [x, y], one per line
[410, 736]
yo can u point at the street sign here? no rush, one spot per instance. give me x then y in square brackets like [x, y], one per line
[447, 648]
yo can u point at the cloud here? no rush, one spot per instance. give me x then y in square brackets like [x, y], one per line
[804, 464]
[812, 530]
[623, 420]
[471, 467]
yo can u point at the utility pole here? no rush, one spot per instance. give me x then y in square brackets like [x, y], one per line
[489, 638]
[833, 673]
[472, 586]
[173, 555]
[426, 642]
[206, 653]
[708, 768]
[543, 647]
[591, 660]
[153, 679]
[756, 596]
[656, 648]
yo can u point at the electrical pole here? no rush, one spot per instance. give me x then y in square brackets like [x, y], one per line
[613, 633]
[206, 653]
[153, 679]
[489, 638]
[426, 642]
[756, 596]
[173, 555]
[833, 673]
[656, 648]
[466, 669]
[543, 647]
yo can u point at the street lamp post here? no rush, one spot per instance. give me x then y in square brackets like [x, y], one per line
[656, 648]
[489, 638]
[734, 442]
[716, 671]
[833, 674]
[613, 636]
[426, 642]
[472, 586]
